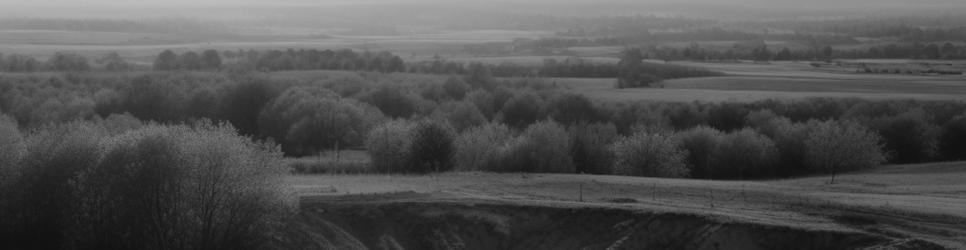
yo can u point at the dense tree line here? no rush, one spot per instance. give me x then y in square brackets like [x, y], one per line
[313, 59]
[717, 141]
[758, 51]
[511, 120]
[634, 72]
[385, 62]
[922, 29]
[547, 45]
[63, 61]
[168, 60]
[569, 67]
[60, 61]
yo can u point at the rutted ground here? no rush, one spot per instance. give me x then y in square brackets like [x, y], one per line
[478, 224]
[926, 209]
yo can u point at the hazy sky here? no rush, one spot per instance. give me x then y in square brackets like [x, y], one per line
[112, 8]
[870, 3]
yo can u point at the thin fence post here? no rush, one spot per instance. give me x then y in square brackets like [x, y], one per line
[580, 196]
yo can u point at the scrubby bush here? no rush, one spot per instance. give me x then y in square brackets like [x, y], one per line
[116, 124]
[433, 92]
[790, 140]
[544, 147]
[306, 120]
[12, 147]
[456, 88]
[485, 101]
[114, 62]
[682, 116]
[727, 116]
[952, 143]
[744, 153]
[166, 60]
[521, 110]
[63, 61]
[478, 149]
[651, 155]
[61, 109]
[629, 118]
[40, 200]
[835, 147]
[909, 137]
[461, 115]
[392, 101]
[179, 187]
[589, 144]
[432, 147]
[210, 60]
[242, 102]
[569, 109]
[764, 121]
[151, 97]
[202, 103]
[389, 146]
[700, 143]
[479, 76]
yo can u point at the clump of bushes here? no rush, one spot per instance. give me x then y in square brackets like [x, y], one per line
[200, 186]
[651, 155]
[180, 187]
[569, 109]
[478, 148]
[12, 147]
[589, 144]
[834, 147]
[909, 137]
[40, 198]
[543, 147]
[521, 110]
[307, 120]
[389, 146]
[461, 115]
[432, 147]
[745, 153]
[700, 143]
[404, 147]
[953, 139]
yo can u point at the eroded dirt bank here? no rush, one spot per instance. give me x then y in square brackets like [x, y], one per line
[482, 224]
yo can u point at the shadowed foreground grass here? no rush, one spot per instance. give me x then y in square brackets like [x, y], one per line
[917, 201]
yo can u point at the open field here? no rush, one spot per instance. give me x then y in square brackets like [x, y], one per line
[922, 85]
[752, 82]
[144, 46]
[917, 201]
[527, 60]
[747, 89]
[805, 69]
[331, 162]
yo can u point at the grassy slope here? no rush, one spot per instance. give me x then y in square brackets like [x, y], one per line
[922, 201]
